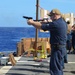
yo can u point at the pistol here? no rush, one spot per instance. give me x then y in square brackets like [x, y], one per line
[27, 17]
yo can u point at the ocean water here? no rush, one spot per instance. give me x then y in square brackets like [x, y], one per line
[10, 36]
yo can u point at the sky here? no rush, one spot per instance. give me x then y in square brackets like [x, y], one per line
[12, 11]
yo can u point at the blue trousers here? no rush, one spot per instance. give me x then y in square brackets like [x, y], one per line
[73, 45]
[64, 60]
[56, 60]
[69, 44]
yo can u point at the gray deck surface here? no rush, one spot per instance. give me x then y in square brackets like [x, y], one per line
[26, 66]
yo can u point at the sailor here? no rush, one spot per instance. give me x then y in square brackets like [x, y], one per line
[58, 38]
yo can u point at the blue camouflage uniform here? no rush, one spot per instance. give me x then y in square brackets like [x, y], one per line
[58, 38]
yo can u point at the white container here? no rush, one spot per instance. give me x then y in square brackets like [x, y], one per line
[4, 60]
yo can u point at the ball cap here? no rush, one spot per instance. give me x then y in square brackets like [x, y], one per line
[54, 11]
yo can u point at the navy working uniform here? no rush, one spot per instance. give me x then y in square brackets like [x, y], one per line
[73, 40]
[69, 37]
[58, 37]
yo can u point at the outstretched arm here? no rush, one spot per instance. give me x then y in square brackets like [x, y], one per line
[37, 24]
[34, 23]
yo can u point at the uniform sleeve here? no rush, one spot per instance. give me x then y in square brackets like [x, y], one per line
[48, 26]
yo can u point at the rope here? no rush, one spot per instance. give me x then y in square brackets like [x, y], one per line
[39, 7]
